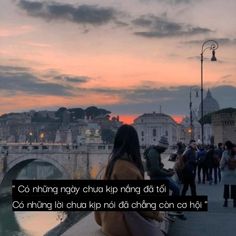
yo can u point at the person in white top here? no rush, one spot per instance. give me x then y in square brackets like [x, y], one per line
[228, 167]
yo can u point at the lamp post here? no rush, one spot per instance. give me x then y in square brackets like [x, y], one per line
[30, 137]
[190, 109]
[41, 136]
[211, 45]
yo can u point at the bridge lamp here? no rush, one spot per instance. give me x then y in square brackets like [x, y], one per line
[41, 136]
[30, 137]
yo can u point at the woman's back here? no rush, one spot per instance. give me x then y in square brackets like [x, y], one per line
[125, 164]
[113, 222]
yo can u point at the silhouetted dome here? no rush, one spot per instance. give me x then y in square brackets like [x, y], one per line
[210, 104]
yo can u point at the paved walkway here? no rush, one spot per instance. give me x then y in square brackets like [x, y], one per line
[86, 227]
[218, 221]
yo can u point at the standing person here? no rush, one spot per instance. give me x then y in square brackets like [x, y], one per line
[190, 162]
[210, 163]
[179, 164]
[219, 151]
[216, 165]
[201, 163]
[228, 170]
[125, 164]
[232, 166]
[180, 148]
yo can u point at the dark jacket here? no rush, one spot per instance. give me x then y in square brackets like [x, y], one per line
[201, 157]
[190, 160]
[219, 152]
[154, 165]
[210, 157]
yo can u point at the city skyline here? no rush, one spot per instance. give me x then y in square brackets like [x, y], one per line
[127, 57]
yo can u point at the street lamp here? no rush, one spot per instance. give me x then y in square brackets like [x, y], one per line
[42, 135]
[211, 45]
[30, 137]
[195, 89]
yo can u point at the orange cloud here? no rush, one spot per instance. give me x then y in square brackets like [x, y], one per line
[178, 118]
[128, 118]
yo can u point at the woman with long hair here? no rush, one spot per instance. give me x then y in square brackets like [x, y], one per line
[125, 164]
[126, 147]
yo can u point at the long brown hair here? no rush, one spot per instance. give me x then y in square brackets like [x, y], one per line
[126, 142]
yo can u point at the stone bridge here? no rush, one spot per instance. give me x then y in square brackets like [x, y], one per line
[73, 161]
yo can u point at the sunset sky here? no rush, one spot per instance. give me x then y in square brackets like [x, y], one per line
[129, 57]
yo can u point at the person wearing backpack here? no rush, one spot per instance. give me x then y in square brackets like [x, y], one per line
[228, 167]
[190, 162]
[216, 164]
[201, 163]
[210, 162]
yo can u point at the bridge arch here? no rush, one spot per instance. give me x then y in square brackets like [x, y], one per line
[15, 166]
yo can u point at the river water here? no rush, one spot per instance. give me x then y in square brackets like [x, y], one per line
[29, 223]
[26, 223]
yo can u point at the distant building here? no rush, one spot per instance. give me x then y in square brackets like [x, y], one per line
[197, 131]
[224, 125]
[61, 126]
[210, 104]
[208, 134]
[151, 126]
[93, 133]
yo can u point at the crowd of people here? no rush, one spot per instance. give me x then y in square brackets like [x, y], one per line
[208, 164]
[194, 163]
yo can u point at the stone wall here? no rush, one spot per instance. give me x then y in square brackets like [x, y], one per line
[224, 127]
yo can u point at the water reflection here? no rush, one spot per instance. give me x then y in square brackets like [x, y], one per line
[8, 224]
[26, 223]
[29, 223]
[37, 223]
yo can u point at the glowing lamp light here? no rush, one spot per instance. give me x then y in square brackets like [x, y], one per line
[42, 135]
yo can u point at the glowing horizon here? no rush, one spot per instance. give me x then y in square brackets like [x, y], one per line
[129, 119]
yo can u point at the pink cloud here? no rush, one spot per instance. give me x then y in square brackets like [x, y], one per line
[15, 30]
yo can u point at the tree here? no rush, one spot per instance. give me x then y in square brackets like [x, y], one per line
[107, 135]
[94, 111]
[59, 113]
[77, 113]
